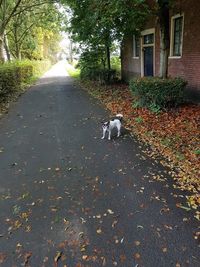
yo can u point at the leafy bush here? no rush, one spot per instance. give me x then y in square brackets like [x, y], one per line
[39, 66]
[158, 93]
[116, 63]
[107, 76]
[90, 61]
[92, 67]
[15, 75]
[104, 76]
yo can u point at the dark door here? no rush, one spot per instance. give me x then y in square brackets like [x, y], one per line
[148, 61]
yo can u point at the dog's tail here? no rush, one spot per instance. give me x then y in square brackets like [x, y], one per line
[119, 116]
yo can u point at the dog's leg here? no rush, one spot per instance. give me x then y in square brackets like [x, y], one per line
[109, 135]
[104, 134]
[118, 130]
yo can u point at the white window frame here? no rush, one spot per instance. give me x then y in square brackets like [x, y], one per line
[172, 35]
[134, 48]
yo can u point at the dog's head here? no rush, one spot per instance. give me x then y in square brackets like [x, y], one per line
[105, 125]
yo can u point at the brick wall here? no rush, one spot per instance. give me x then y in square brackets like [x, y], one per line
[188, 66]
[130, 66]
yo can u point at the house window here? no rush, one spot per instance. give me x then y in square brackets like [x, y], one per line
[148, 39]
[136, 46]
[177, 36]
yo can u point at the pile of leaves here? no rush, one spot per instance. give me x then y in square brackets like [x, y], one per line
[173, 134]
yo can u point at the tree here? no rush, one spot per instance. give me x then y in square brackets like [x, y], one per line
[22, 27]
[10, 9]
[101, 22]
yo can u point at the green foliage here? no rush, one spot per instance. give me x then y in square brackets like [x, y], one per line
[197, 152]
[180, 156]
[14, 76]
[166, 142]
[104, 76]
[73, 72]
[139, 119]
[116, 63]
[32, 28]
[101, 22]
[92, 67]
[155, 108]
[156, 93]
[91, 59]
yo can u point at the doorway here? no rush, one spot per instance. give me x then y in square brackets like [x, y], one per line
[147, 59]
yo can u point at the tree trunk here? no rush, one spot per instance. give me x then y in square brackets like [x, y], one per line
[18, 52]
[163, 16]
[7, 48]
[108, 56]
[2, 58]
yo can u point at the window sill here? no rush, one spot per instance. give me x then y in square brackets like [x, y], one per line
[175, 57]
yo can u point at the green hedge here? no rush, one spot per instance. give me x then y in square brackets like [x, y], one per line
[158, 92]
[104, 76]
[15, 75]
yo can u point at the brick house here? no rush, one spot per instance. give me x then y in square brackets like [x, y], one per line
[141, 55]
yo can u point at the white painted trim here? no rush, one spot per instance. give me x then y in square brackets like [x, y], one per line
[172, 35]
[174, 57]
[134, 56]
[148, 31]
[145, 32]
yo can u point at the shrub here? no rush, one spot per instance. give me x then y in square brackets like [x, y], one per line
[92, 66]
[116, 63]
[104, 76]
[15, 75]
[90, 62]
[157, 92]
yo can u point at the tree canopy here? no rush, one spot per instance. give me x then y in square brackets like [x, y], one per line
[97, 23]
[23, 21]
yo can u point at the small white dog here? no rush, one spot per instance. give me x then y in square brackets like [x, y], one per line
[109, 125]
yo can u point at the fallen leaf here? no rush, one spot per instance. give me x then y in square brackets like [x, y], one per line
[110, 211]
[58, 256]
[27, 257]
[103, 261]
[122, 258]
[114, 223]
[84, 257]
[99, 231]
[183, 207]
[2, 257]
[164, 250]
[137, 243]
[137, 256]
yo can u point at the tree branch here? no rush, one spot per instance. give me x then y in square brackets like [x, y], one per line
[1, 2]
[12, 13]
[24, 33]
[29, 8]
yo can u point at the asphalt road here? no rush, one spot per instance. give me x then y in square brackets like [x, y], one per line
[68, 198]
